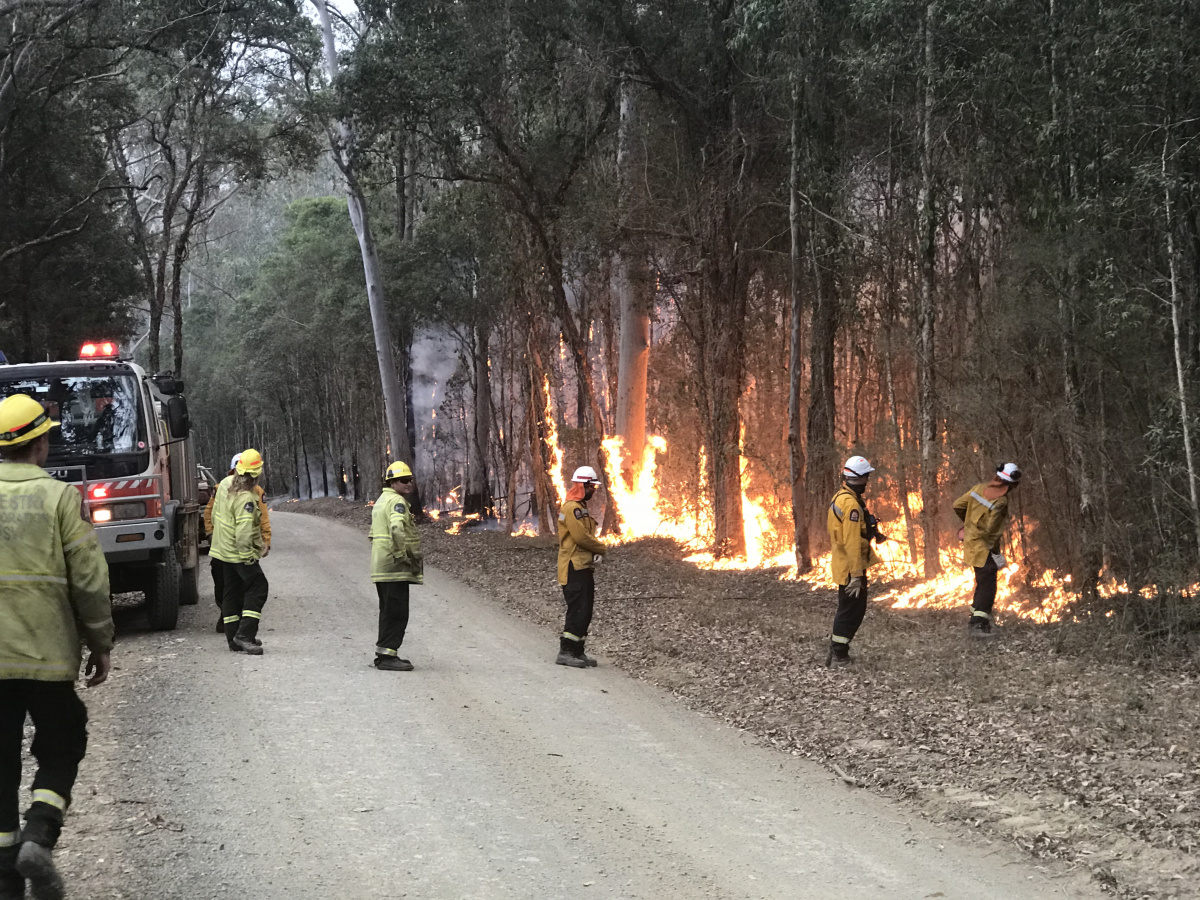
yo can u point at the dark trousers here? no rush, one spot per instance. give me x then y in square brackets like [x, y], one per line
[580, 594]
[218, 576]
[244, 597]
[59, 744]
[849, 615]
[393, 616]
[985, 587]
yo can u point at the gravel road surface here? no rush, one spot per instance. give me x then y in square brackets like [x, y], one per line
[486, 773]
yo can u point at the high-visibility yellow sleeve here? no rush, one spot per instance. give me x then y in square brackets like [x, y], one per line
[960, 506]
[87, 575]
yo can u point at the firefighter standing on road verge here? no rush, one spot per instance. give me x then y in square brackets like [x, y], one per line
[578, 551]
[851, 530]
[396, 562]
[53, 591]
[238, 544]
[214, 565]
[984, 513]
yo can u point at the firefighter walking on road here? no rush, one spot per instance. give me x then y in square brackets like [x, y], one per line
[54, 592]
[238, 544]
[396, 562]
[214, 565]
[984, 513]
[578, 552]
[851, 531]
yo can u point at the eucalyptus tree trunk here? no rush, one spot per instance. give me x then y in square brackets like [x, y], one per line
[795, 358]
[1177, 335]
[393, 397]
[927, 412]
[477, 499]
[633, 293]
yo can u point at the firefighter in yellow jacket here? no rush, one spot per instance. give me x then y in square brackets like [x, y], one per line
[851, 531]
[396, 562]
[984, 513]
[238, 544]
[54, 593]
[578, 551]
[214, 565]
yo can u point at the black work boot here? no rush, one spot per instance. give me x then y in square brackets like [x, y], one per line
[220, 623]
[570, 653]
[35, 860]
[12, 882]
[393, 664]
[587, 659]
[839, 655]
[246, 636]
[980, 627]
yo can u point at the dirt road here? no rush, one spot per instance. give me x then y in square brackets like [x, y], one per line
[487, 773]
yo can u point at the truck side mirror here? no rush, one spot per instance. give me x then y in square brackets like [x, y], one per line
[178, 421]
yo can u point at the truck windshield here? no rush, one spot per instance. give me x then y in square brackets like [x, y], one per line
[103, 429]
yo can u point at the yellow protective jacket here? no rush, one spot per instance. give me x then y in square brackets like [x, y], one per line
[264, 524]
[984, 513]
[395, 542]
[237, 519]
[576, 538]
[53, 578]
[846, 523]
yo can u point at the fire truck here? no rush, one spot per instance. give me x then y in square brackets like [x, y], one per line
[124, 443]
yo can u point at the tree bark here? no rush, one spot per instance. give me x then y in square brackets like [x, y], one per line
[795, 358]
[634, 296]
[927, 412]
[477, 499]
[393, 397]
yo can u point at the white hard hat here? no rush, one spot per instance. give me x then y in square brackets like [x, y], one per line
[857, 467]
[586, 475]
[1009, 472]
[233, 462]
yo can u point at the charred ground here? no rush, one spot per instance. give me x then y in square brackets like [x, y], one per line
[1043, 737]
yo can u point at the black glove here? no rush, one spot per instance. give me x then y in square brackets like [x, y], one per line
[857, 588]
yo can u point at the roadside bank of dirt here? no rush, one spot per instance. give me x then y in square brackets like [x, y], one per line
[1073, 757]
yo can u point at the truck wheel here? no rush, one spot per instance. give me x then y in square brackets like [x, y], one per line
[189, 587]
[162, 594]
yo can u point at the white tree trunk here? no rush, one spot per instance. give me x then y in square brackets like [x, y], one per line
[393, 396]
[633, 360]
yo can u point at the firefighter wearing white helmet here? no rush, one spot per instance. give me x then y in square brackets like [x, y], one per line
[984, 513]
[396, 562]
[53, 597]
[851, 531]
[578, 551]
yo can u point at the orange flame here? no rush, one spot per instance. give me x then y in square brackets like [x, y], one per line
[556, 454]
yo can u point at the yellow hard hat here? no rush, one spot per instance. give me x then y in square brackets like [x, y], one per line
[249, 463]
[22, 419]
[397, 470]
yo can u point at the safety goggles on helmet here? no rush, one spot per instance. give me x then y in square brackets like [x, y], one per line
[398, 471]
[857, 467]
[1009, 473]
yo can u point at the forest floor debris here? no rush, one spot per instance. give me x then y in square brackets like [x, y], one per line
[1039, 737]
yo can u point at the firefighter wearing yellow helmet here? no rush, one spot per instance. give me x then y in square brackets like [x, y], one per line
[214, 565]
[396, 562]
[237, 546]
[578, 552]
[984, 513]
[851, 530]
[54, 593]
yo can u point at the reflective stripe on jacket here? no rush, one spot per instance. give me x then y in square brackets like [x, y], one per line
[236, 516]
[984, 513]
[846, 523]
[395, 541]
[53, 578]
[576, 538]
[264, 525]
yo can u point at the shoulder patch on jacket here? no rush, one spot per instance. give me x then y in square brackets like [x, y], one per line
[854, 515]
[400, 507]
[580, 512]
[249, 507]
